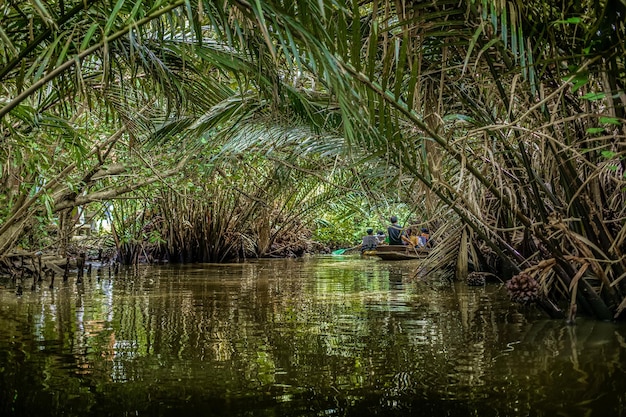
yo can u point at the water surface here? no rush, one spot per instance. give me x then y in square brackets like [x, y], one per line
[326, 336]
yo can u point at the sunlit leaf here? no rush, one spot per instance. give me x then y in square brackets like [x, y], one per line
[461, 117]
[571, 20]
[610, 120]
[113, 16]
[594, 96]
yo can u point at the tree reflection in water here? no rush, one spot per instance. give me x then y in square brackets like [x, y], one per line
[322, 336]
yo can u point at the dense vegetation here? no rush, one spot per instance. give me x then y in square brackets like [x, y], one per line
[222, 129]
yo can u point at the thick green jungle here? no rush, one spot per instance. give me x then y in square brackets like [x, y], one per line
[211, 131]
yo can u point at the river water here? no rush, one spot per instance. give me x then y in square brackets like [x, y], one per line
[323, 336]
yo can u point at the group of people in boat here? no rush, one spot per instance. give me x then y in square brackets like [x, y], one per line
[396, 235]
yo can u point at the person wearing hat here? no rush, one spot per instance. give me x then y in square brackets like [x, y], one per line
[370, 241]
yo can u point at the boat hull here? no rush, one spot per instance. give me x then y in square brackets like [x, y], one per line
[397, 252]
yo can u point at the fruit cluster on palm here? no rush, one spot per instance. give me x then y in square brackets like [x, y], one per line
[502, 123]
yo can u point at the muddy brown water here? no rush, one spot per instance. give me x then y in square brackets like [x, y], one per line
[323, 336]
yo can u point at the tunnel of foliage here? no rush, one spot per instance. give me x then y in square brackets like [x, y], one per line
[198, 130]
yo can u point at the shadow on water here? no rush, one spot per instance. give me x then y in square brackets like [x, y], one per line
[327, 336]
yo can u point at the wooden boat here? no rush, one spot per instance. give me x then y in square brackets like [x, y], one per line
[397, 252]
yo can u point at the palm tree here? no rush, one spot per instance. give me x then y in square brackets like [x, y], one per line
[509, 114]
[502, 83]
[513, 142]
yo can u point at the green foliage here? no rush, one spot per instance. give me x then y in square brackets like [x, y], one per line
[337, 229]
[342, 224]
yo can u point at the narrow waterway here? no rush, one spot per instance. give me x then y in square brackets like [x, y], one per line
[325, 336]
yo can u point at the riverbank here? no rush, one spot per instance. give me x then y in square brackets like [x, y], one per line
[86, 252]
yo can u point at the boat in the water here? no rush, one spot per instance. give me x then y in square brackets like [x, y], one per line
[397, 252]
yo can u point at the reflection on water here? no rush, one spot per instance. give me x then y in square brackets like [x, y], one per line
[328, 336]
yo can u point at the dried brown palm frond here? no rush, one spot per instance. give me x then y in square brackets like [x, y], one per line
[445, 243]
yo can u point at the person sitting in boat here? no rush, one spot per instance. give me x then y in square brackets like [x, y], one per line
[370, 241]
[424, 238]
[381, 236]
[410, 238]
[394, 232]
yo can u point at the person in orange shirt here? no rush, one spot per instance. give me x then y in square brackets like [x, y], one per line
[410, 238]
